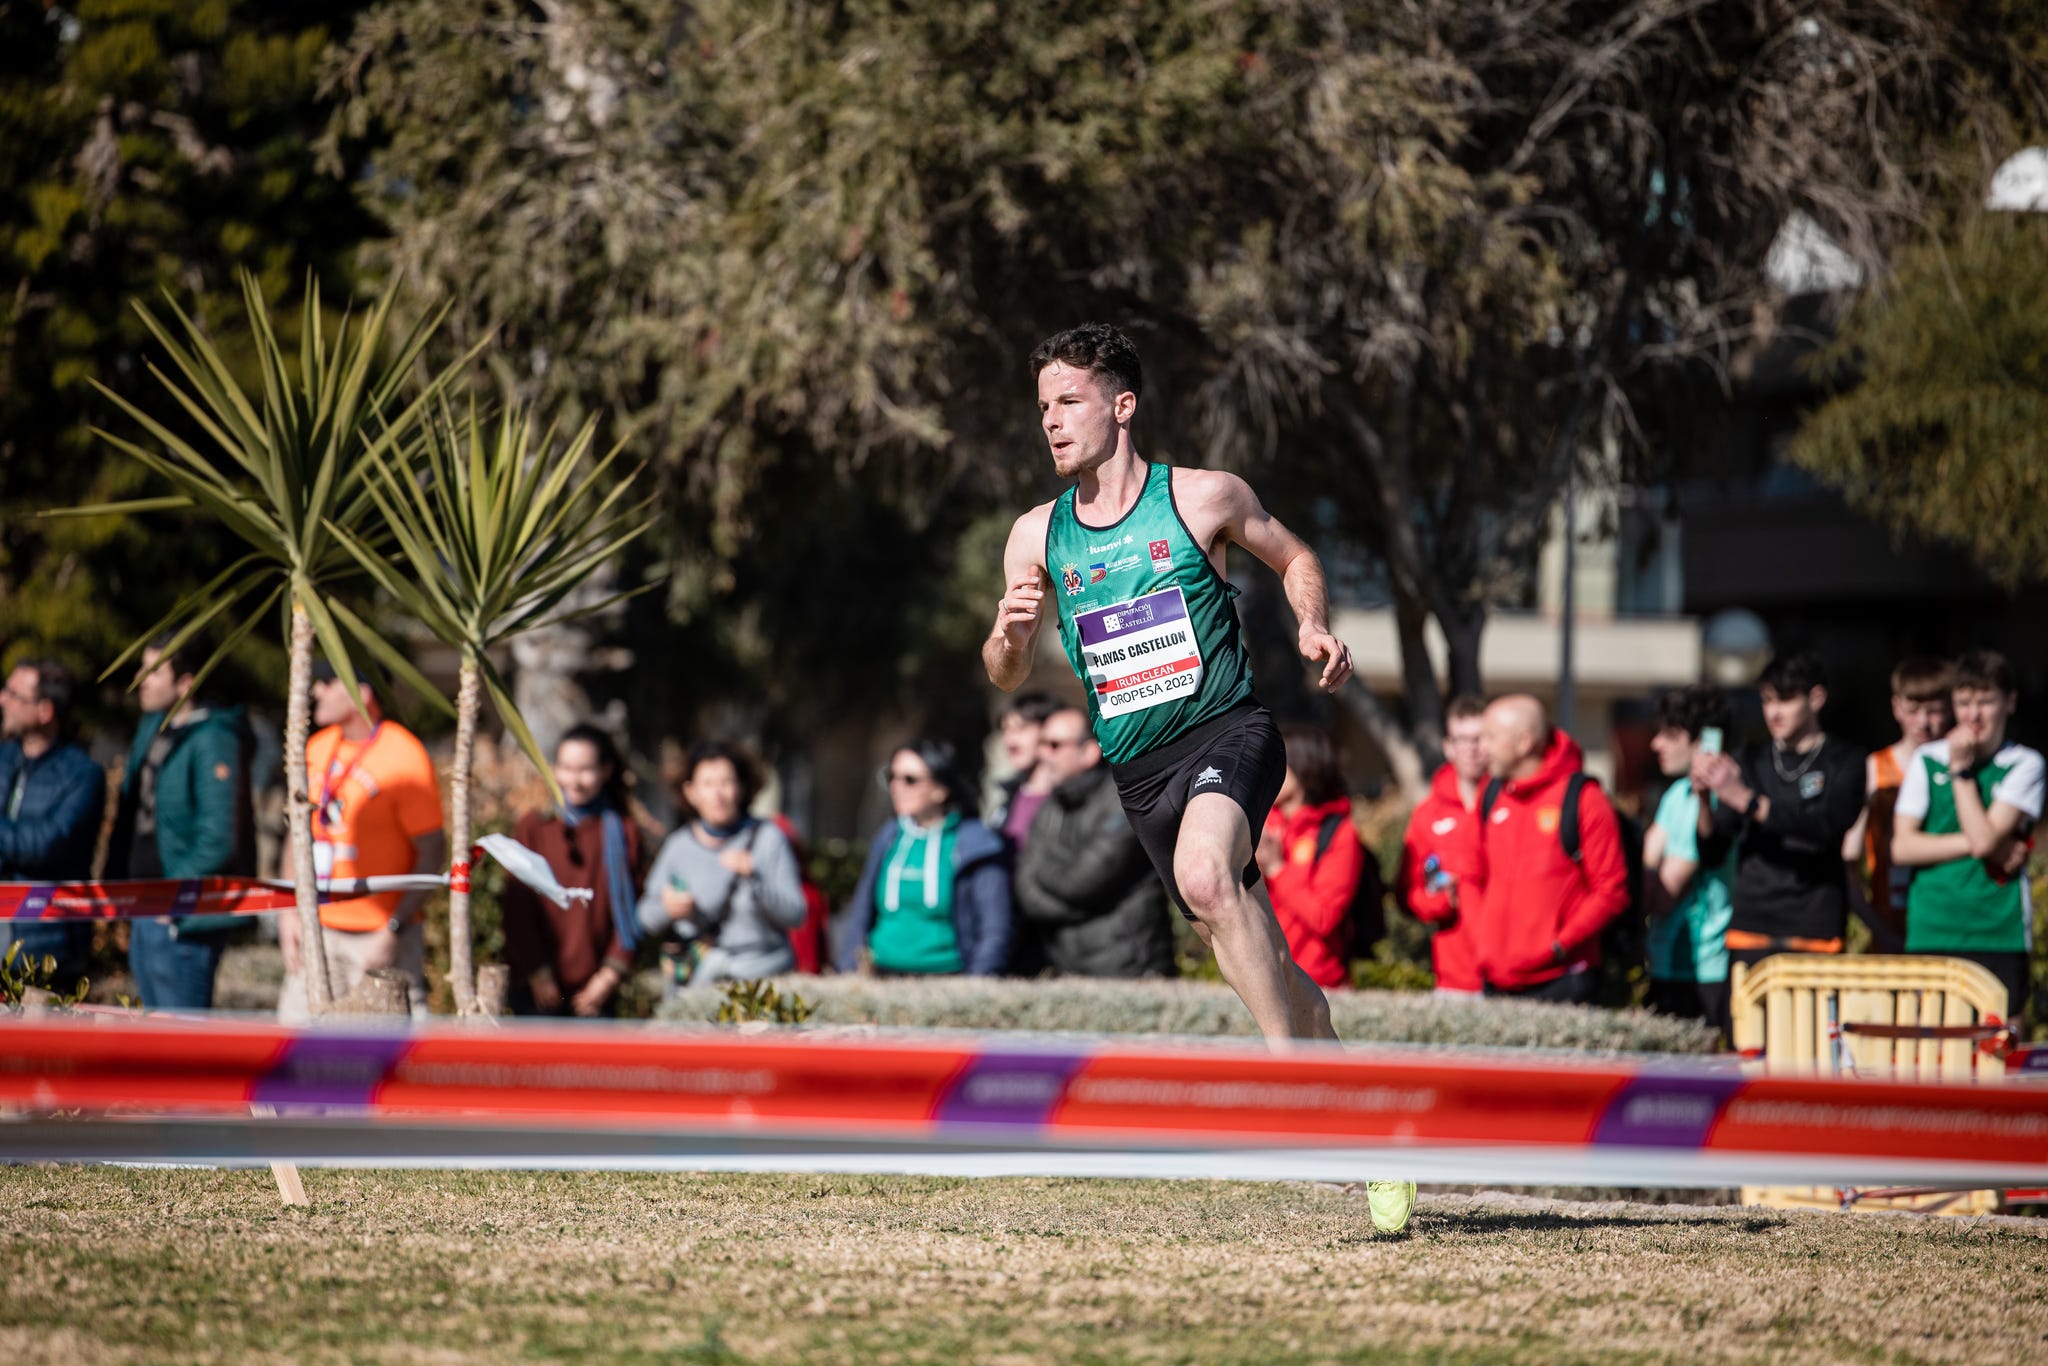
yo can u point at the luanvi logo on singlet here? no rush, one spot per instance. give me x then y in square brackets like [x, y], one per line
[1146, 621]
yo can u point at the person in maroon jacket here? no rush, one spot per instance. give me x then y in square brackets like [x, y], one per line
[1442, 870]
[1537, 926]
[572, 960]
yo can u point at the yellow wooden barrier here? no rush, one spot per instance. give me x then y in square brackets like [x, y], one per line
[1784, 1006]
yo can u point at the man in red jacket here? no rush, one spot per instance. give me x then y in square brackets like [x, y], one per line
[1441, 867]
[1537, 926]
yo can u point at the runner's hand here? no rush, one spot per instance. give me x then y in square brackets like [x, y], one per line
[1017, 612]
[1336, 654]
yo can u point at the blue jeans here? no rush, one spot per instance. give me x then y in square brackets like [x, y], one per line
[172, 973]
[70, 944]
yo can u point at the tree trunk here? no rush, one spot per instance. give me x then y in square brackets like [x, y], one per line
[298, 723]
[545, 687]
[461, 968]
[1394, 739]
[1418, 680]
[1461, 637]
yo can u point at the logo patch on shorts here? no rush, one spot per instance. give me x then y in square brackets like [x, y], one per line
[1209, 775]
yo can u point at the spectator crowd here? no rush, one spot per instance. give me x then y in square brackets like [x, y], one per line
[1517, 862]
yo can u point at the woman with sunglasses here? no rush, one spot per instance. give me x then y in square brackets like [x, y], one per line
[934, 897]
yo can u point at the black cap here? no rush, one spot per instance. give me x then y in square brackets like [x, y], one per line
[323, 672]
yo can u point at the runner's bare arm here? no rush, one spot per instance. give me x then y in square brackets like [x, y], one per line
[1007, 652]
[1221, 507]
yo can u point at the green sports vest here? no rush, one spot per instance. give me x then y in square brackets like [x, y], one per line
[1146, 620]
[1958, 906]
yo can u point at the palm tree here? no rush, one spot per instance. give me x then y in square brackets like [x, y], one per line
[494, 529]
[284, 467]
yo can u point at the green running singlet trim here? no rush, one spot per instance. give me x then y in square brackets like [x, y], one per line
[1147, 622]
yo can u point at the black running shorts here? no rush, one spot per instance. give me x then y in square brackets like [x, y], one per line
[1238, 754]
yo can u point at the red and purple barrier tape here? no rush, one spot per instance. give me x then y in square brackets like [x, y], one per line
[150, 898]
[541, 1095]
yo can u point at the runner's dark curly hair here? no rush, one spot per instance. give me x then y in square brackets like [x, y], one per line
[1096, 347]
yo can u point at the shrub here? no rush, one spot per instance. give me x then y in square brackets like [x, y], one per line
[1201, 1008]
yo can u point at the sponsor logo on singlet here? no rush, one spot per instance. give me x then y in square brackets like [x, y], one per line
[1162, 557]
[1070, 579]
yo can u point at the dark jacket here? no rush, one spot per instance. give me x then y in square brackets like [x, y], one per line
[573, 941]
[1086, 890]
[981, 899]
[205, 821]
[57, 821]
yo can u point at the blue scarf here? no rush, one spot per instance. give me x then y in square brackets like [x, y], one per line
[618, 866]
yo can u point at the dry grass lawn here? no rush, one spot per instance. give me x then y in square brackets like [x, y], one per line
[106, 1264]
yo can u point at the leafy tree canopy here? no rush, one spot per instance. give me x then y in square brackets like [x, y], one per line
[1941, 429]
[145, 145]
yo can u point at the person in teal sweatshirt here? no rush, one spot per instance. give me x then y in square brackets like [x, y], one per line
[934, 896]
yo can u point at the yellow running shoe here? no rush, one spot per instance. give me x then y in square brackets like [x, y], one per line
[1391, 1202]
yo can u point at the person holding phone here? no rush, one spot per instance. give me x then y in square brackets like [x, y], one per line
[1688, 865]
[726, 881]
[1793, 803]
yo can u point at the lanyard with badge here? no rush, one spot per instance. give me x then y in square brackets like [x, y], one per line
[328, 811]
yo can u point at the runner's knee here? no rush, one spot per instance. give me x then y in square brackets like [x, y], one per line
[1208, 888]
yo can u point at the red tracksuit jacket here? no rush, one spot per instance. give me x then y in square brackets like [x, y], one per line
[1442, 826]
[1535, 896]
[1312, 896]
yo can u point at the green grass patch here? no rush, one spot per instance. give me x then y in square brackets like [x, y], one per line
[110, 1264]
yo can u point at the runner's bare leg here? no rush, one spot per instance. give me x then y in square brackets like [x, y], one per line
[1237, 923]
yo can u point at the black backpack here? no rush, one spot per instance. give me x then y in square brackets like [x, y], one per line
[1625, 938]
[1365, 921]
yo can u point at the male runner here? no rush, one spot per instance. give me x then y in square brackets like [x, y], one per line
[1132, 559]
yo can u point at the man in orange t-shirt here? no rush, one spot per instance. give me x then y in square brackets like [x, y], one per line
[376, 812]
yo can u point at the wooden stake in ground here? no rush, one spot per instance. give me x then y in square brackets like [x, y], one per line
[381, 991]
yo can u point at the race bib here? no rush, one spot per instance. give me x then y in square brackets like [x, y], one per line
[1140, 653]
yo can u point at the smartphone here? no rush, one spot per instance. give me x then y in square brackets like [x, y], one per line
[1710, 739]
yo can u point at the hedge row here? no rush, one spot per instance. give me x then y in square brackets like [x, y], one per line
[1203, 1008]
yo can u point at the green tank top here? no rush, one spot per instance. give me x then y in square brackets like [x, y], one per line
[1146, 620]
[1958, 906]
